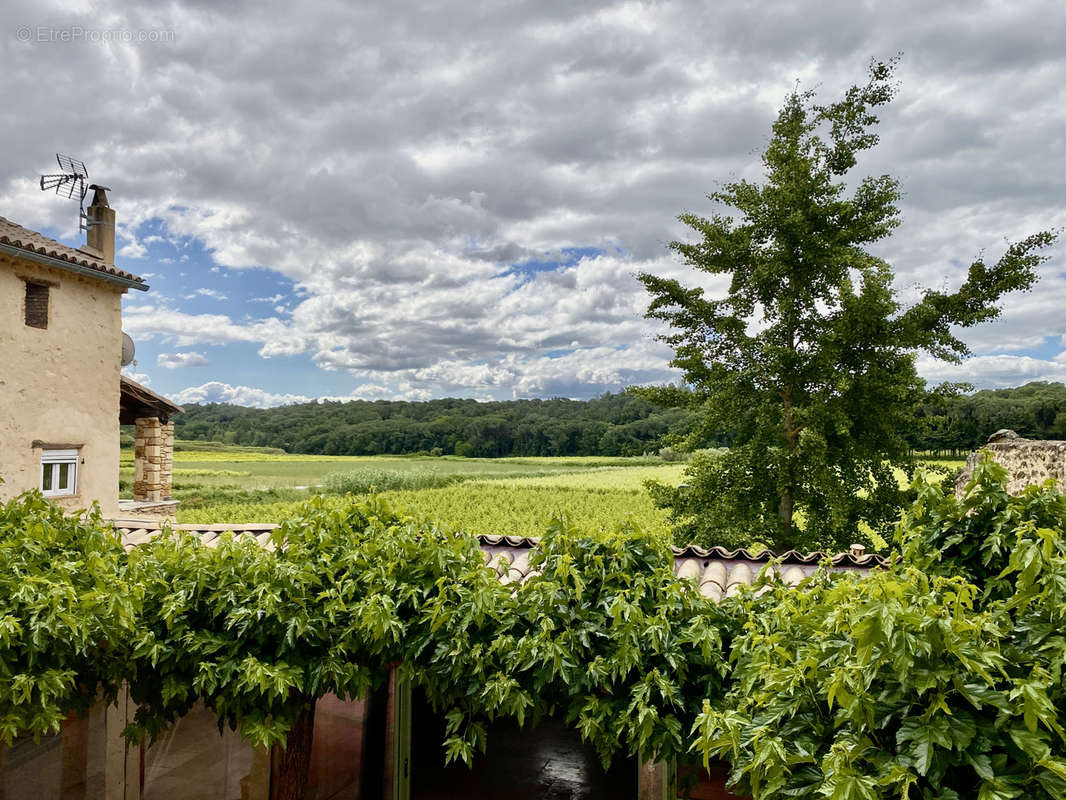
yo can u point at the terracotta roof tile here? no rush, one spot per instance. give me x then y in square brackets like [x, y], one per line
[688, 569]
[25, 239]
[850, 558]
[716, 571]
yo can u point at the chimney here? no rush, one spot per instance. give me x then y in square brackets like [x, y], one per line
[100, 226]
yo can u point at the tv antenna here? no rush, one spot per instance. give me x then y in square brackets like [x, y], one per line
[69, 182]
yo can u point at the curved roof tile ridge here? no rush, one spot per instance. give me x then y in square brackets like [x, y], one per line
[695, 551]
[15, 235]
[129, 527]
[498, 540]
[788, 557]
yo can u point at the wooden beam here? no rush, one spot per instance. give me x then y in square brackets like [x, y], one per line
[656, 780]
[398, 738]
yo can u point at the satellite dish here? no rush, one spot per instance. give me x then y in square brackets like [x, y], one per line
[128, 350]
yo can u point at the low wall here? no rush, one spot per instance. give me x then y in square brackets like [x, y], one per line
[1027, 461]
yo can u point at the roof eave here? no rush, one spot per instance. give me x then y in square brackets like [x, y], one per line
[147, 397]
[69, 266]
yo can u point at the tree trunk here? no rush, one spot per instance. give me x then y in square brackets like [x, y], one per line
[786, 508]
[294, 762]
[786, 505]
[787, 501]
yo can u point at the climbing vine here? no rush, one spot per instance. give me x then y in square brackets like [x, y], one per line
[603, 634]
[66, 613]
[259, 633]
[940, 678]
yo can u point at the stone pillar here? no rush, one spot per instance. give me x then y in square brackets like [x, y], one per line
[147, 460]
[166, 461]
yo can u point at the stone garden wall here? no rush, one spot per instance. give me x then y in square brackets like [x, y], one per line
[1027, 461]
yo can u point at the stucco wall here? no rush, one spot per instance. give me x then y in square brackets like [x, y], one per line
[60, 385]
[1027, 461]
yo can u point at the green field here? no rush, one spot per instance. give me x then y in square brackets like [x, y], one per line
[515, 496]
[250, 470]
[480, 507]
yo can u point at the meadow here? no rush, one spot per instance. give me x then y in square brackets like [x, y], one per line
[513, 496]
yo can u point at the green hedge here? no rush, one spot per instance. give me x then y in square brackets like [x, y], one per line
[938, 677]
[67, 614]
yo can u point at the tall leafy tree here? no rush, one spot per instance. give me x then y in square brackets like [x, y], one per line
[809, 357]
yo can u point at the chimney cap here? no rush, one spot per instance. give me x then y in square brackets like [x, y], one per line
[857, 550]
[99, 194]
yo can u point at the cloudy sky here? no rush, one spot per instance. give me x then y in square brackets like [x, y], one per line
[424, 199]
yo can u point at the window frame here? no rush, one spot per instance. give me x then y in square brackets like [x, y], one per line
[52, 461]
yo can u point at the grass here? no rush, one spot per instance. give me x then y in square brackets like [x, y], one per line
[478, 507]
[515, 496]
[496, 508]
[367, 479]
[199, 446]
[626, 478]
[269, 470]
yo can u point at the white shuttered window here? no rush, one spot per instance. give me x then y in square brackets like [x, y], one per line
[59, 472]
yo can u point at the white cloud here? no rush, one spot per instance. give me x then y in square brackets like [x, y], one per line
[138, 377]
[441, 144]
[133, 249]
[176, 360]
[203, 292]
[217, 392]
[994, 372]
[187, 329]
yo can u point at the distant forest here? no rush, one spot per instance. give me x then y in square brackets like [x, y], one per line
[1036, 411]
[613, 424]
[609, 425]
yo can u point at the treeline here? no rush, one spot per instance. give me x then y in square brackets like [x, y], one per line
[960, 424]
[609, 425]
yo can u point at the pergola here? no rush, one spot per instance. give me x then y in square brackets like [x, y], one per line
[153, 460]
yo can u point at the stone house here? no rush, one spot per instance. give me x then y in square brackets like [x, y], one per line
[62, 396]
